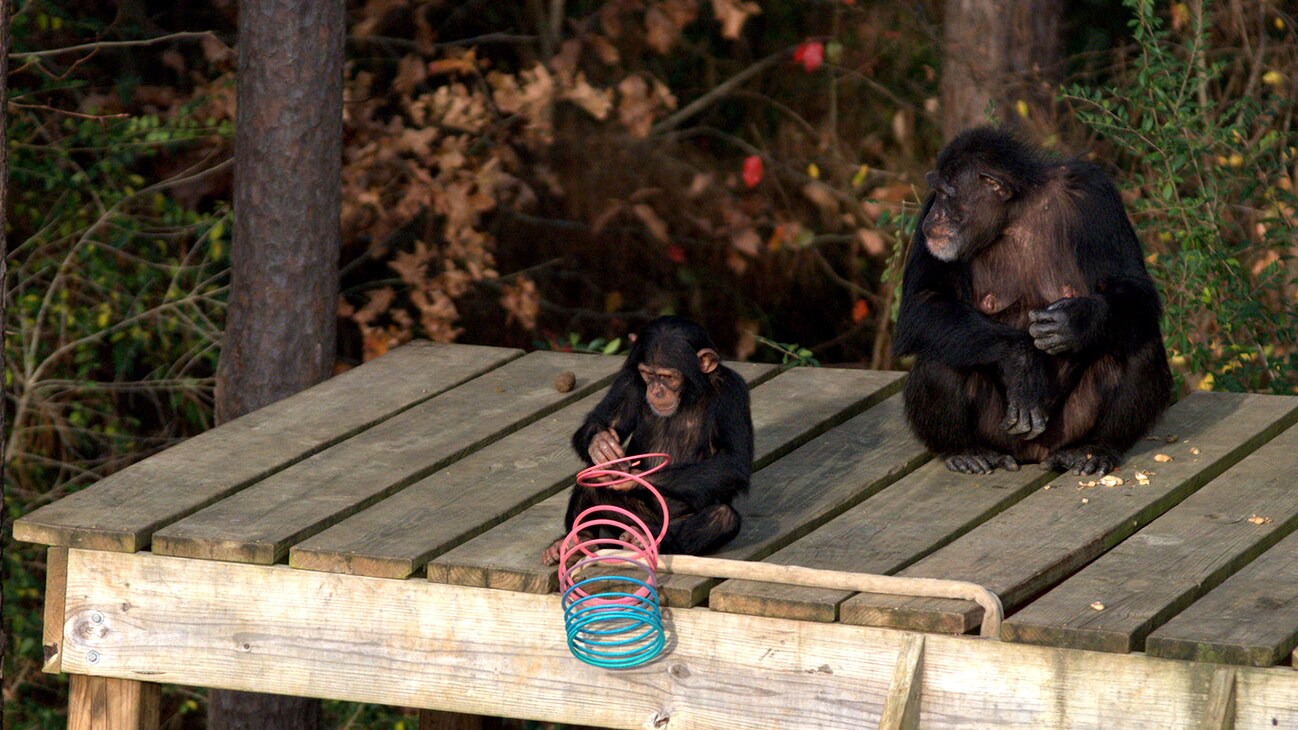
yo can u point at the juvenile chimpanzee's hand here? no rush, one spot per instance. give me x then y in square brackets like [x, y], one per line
[605, 447]
[1027, 392]
[1071, 324]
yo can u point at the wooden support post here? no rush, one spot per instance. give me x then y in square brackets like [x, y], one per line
[105, 703]
[1220, 712]
[901, 707]
[56, 586]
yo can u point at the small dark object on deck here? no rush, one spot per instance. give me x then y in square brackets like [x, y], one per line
[565, 382]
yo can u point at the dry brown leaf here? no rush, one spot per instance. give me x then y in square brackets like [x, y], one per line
[871, 241]
[522, 303]
[596, 102]
[604, 50]
[822, 196]
[652, 221]
[732, 14]
[1109, 480]
[1162, 458]
[660, 32]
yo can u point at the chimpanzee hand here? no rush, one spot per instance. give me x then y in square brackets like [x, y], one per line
[1026, 394]
[606, 446]
[1070, 324]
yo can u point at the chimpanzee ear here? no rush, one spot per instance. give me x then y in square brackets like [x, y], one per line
[708, 360]
[997, 183]
[631, 337]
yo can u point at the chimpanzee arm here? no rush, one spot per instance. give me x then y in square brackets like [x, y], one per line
[719, 478]
[1121, 313]
[619, 410]
[936, 319]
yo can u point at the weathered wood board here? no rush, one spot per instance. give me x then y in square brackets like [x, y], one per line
[397, 536]
[1251, 618]
[810, 486]
[508, 556]
[1051, 533]
[122, 511]
[56, 579]
[420, 644]
[1174, 560]
[259, 523]
[910, 519]
[107, 703]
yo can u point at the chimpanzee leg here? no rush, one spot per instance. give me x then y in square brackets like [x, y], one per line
[701, 533]
[942, 405]
[1123, 401]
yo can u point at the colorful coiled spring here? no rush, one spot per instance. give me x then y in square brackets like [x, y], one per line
[612, 617]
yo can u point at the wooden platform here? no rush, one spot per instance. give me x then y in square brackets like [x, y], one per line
[378, 538]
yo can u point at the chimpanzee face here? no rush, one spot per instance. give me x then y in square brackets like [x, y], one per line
[969, 212]
[663, 388]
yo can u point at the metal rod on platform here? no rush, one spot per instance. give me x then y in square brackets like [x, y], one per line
[993, 612]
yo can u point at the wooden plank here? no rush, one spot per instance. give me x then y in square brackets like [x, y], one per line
[259, 524]
[1173, 561]
[811, 486]
[122, 511]
[397, 536]
[901, 706]
[1250, 619]
[414, 643]
[107, 703]
[1220, 713]
[910, 519]
[508, 556]
[1047, 536]
[56, 583]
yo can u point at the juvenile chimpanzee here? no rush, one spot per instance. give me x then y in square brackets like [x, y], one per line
[1033, 322]
[672, 396]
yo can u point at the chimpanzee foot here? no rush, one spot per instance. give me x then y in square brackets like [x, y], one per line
[551, 554]
[1084, 460]
[980, 462]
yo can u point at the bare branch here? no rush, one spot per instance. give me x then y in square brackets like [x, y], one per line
[99, 45]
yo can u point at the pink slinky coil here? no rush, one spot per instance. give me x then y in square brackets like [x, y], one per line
[612, 617]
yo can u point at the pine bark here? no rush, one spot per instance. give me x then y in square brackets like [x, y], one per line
[280, 323]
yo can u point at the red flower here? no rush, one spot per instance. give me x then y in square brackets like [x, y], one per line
[811, 55]
[752, 170]
[676, 254]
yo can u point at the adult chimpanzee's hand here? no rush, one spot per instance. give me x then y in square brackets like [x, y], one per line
[1027, 393]
[605, 447]
[1071, 324]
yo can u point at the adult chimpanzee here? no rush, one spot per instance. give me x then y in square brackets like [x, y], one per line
[672, 396]
[1033, 322]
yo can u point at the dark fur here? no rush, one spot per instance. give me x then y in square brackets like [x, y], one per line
[1042, 232]
[710, 440]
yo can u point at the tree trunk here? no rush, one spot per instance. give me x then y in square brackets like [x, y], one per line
[280, 324]
[997, 51]
[4, 248]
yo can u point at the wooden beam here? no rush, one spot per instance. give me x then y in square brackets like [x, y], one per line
[122, 511]
[1252, 618]
[258, 524]
[901, 707]
[1220, 712]
[107, 703]
[788, 410]
[415, 643]
[1053, 533]
[56, 584]
[1159, 571]
[884, 534]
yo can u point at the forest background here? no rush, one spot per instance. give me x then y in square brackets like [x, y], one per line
[551, 174]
